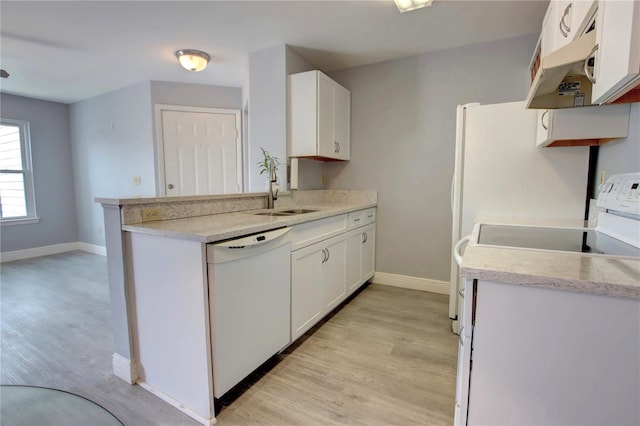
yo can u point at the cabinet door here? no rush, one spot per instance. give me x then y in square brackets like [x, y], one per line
[548, 42]
[326, 146]
[543, 127]
[354, 259]
[617, 62]
[368, 266]
[361, 256]
[306, 288]
[581, 13]
[562, 126]
[334, 272]
[303, 114]
[342, 121]
[562, 24]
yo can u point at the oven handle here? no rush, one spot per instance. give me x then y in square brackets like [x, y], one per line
[458, 247]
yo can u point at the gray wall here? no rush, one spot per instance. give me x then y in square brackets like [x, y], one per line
[195, 95]
[53, 174]
[402, 142]
[623, 155]
[267, 112]
[112, 141]
[267, 95]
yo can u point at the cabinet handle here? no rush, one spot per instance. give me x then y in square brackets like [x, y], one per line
[365, 237]
[328, 254]
[591, 77]
[542, 119]
[338, 146]
[335, 147]
[461, 292]
[324, 255]
[564, 28]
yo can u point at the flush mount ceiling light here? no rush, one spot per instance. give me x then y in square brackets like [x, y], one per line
[407, 5]
[192, 60]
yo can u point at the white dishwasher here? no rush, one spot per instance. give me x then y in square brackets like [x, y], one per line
[250, 303]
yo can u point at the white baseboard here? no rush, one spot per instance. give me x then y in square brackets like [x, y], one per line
[180, 406]
[125, 368]
[412, 283]
[92, 248]
[10, 256]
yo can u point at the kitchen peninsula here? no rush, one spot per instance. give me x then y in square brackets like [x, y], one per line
[164, 279]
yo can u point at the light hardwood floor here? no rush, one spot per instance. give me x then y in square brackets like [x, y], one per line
[386, 356]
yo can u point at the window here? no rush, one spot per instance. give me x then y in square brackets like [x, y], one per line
[16, 179]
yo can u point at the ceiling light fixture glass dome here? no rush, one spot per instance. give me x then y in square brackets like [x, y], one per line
[193, 60]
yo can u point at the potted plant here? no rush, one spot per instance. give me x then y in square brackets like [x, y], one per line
[270, 164]
[264, 165]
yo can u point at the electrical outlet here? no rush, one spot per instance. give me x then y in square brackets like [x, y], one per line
[321, 179]
[603, 176]
[137, 180]
[149, 215]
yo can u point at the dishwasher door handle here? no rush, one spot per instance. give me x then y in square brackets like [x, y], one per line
[253, 240]
[248, 246]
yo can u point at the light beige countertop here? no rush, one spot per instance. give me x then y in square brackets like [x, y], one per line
[218, 227]
[597, 274]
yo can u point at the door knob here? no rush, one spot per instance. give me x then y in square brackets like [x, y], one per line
[170, 186]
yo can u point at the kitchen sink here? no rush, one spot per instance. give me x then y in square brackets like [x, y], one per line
[298, 211]
[288, 212]
[272, 214]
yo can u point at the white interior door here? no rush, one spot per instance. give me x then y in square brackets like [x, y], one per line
[202, 152]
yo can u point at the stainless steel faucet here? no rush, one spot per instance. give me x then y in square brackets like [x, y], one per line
[273, 178]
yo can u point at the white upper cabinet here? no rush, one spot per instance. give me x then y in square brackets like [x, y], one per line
[582, 126]
[617, 58]
[319, 117]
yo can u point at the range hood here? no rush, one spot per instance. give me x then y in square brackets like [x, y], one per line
[561, 80]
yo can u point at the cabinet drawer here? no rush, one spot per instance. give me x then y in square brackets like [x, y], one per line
[309, 233]
[361, 218]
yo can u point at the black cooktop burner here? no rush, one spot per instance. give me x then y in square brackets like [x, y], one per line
[560, 239]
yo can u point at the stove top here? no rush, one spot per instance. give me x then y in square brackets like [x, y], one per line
[556, 239]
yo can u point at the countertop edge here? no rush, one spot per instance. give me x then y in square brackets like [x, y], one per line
[602, 275]
[581, 286]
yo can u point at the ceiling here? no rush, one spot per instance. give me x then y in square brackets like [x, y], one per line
[66, 51]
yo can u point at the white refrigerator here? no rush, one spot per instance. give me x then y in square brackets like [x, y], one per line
[502, 176]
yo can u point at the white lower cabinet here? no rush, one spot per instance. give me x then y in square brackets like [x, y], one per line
[361, 256]
[547, 357]
[318, 282]
[331, 258]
